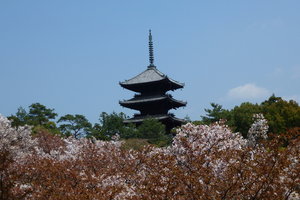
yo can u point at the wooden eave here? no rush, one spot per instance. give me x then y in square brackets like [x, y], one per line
[150, 77]
[164, 117]
[153, 99]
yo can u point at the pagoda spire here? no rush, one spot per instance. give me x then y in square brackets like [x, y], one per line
[151, 56]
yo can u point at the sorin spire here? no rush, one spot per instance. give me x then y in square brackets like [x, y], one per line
[151, 56]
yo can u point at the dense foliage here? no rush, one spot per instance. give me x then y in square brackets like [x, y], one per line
[281, 115]
[42, 119]
[203, 162]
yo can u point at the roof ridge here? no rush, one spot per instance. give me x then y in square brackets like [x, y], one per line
[148, 69]
[160, 73]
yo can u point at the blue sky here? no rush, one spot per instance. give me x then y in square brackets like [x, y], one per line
[71, 55]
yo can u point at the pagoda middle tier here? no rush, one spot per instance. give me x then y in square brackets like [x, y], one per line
[153, 104]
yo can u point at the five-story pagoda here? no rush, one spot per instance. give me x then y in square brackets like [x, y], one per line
[152, 99]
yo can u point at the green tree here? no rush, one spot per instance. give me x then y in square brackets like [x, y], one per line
[97, 133]
[215, 114]
[154, 131]
[242, 117]
[40, 115]
[112, 124]
[37, 116]
[20, 119]
[281, 115]
[76, 125]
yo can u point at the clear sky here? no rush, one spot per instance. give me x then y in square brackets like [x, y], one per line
[70, 55]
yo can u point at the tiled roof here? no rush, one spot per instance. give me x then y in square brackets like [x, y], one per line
[153, 98]
[151, 74]
[158, 117]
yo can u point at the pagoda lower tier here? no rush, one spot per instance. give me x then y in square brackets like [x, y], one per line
[169, 120]
[152, 104]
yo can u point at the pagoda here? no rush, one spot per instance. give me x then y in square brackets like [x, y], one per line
[151, 98]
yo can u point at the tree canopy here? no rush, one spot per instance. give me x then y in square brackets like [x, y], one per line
[281, 115]
[37, 116]
[76, 125]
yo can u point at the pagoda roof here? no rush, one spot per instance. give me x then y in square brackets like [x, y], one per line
[161, 117]
[151, 74]
[152, 98]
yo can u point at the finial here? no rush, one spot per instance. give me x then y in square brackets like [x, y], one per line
[151, 56]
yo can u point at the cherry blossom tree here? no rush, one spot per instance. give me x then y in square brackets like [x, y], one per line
[203, 162]
[258, 130]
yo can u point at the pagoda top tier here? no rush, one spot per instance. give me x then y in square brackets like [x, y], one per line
[149, 80]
